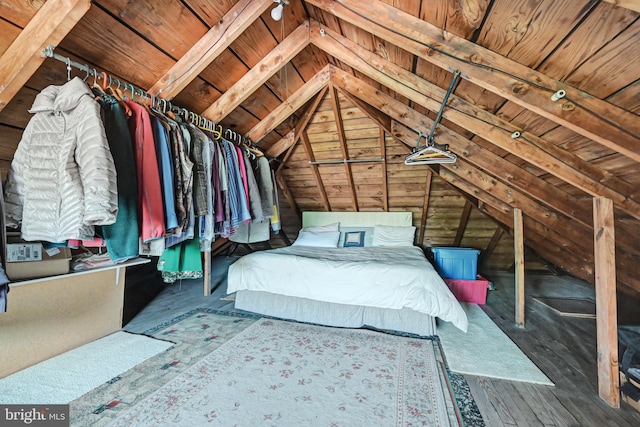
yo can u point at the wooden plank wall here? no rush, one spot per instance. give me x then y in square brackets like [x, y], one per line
[405, 185]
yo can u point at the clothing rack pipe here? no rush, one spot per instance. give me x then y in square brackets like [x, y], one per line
[163, 103]
[156, 102]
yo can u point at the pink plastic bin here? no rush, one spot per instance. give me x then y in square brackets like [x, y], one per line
[469, 290]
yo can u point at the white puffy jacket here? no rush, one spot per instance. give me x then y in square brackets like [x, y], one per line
[62, 179]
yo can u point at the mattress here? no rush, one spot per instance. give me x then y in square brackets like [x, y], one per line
[393, 278]
[337, 315]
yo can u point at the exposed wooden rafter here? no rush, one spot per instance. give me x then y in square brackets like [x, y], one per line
[462, 226]
[586, 115]
[49, 26]
[314, 169]
[335, 104]
[209, 47]
[529, 147]
[259, 74]
[290, 106]
[383, 176]
[425, 206]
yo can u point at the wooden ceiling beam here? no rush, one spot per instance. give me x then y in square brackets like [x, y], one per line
[572, 239]
[337, 113]
[523, 181]
[286, 142]
[284, 52]
[54, 20]
[292, 138]
[290, 106]
[494, 193]
[518, 146]
[462, 226]
[596, 119]
[314, 169]
[533, 149]
[212, 44]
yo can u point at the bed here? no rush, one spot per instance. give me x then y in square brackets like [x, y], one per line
[368, 284]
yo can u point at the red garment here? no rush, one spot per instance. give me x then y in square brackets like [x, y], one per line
[150, 207]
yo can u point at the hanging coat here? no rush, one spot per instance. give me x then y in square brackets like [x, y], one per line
[62, 179]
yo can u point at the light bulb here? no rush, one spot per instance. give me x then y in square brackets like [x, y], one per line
[276, 12]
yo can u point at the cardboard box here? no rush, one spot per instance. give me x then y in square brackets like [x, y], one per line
[52, 262]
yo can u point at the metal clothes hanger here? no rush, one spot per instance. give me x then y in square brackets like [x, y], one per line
[433, 153]
[430, 154]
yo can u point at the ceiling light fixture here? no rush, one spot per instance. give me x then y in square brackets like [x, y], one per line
[276, 12]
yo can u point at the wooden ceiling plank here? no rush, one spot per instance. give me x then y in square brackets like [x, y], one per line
[290, 106]
[259, 74]
[335, 103]
[314, 169]
[524, 148]
[19, 12]
[22, 58]
[627, 4]
[212, 44]
[594, 118]
[460, 18]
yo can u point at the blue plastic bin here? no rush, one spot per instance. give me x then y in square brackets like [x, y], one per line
[456, 263]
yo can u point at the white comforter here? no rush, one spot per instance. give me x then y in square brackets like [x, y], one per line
[385, 277]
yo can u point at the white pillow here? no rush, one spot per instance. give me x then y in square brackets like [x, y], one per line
[368, 235]
[390, 235]
[321, 239]
[318, 228]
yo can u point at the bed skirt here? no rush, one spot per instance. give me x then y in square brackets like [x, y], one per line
[339, 315]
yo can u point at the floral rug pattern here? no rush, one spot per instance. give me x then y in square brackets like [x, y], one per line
[319, 365]
[195, 334]
[290, 374]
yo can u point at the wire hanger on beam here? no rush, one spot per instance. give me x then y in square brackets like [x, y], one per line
[432, 153]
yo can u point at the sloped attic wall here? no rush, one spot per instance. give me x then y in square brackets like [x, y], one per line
[370, 184]
[404, 50]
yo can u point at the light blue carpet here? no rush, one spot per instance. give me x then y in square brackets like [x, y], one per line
[66, 377]
[486, 351]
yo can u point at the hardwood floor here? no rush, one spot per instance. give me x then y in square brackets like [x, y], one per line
[564, 348]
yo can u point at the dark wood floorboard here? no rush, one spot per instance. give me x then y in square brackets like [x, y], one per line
[563, 348]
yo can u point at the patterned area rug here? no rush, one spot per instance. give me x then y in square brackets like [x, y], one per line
[271, 372]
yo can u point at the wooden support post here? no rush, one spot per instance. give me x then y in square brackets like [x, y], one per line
[207, 273]
[606, 312]
[49, 26]
[383, 155]
[518, 243]
[425, 206]
[337, 112]
[464, 220]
